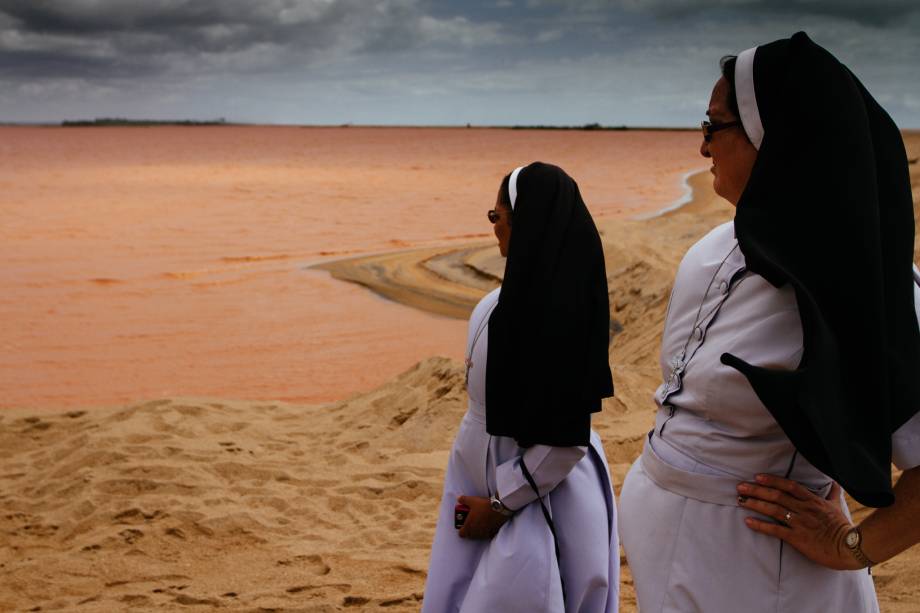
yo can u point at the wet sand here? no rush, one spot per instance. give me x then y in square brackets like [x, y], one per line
[237, 505]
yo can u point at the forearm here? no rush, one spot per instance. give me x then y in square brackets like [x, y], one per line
[889, 531]
[548, 466]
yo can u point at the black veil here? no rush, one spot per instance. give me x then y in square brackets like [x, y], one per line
[828, 209]
[547, 367]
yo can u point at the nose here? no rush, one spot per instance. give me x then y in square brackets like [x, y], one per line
[704, 149]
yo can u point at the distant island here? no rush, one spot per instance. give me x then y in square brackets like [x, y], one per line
[597, 126]
[121, 121]
[587, 126]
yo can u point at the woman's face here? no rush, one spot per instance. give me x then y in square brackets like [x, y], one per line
[502, 227]
[732, 154]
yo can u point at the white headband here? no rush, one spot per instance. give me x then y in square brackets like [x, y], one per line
[512, 185]
[747, 98]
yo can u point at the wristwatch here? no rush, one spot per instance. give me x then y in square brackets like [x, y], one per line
[499, 507]
[853, 541]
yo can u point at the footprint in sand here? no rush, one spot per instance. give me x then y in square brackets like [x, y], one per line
[39, 529]
[131, 535]
[312, 563]
[411, 571]
[35, 424]
[189, 600]
[417, 597]
[135, 600]
[135, 516]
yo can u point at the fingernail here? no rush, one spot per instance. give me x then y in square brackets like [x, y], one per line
[761, 478]
[744, 488]
[749, 521]
[742, 499]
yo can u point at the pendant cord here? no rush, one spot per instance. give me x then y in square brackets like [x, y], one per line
[549, 522]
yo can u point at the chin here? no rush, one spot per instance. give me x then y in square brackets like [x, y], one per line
[719, 189]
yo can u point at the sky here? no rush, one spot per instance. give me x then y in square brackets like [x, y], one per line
[424, 62]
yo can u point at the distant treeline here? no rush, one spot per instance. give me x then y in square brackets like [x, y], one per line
[121, 121]
[596, 126]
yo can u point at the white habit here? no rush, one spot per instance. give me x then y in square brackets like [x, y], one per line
[516, 571]
[684, 534]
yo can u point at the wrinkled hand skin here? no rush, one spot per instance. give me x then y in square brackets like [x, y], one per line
[482, 523]
[817, 527]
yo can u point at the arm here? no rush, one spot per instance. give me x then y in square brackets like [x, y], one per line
[817, 526]
[885, 532]
[889, 531]
[548, 466]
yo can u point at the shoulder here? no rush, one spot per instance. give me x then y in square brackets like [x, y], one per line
[485, 304]
[709, 250]
[717, 241]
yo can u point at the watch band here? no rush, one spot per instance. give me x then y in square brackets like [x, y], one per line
[499, 507]
[856, 548]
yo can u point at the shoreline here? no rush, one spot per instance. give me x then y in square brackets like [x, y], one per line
[449, 280]
[685, 199]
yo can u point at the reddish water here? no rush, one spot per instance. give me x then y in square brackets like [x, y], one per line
[150, 262]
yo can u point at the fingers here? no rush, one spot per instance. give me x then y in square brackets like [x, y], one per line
[769, 494]
[463, 500]
[793, 488]
[769, 509]
[769, 528]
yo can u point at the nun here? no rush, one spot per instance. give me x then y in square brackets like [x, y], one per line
[540, 533]
[790, 357]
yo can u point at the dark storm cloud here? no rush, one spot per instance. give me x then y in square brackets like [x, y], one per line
[640, 62]
[877, 12]
[159, 36]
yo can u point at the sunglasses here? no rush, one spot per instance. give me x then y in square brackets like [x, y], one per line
[494, 215]
[708, 128]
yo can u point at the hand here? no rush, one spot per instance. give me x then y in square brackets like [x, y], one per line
[815, 526]
[482, 522]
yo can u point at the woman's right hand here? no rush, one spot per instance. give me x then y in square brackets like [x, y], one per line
[482, 522]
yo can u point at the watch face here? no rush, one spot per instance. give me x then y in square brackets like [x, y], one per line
[852, 539]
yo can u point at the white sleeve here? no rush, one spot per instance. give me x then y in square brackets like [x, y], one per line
[905, 442]
[548, 466]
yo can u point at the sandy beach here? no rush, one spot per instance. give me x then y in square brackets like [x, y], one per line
[179, 503]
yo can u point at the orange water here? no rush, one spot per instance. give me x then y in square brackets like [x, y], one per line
[149, 262]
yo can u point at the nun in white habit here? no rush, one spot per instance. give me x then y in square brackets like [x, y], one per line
[790, 357]
[536, 370]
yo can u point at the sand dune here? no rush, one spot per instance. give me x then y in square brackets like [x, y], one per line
[267, 506]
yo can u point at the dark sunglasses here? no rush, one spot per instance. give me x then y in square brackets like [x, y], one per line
[708, 128]
[494, 215]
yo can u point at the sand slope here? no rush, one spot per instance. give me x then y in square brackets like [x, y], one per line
[239, 505]
[266, 506]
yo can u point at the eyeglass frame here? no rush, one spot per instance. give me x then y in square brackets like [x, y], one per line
[494, 215]
[708, 128]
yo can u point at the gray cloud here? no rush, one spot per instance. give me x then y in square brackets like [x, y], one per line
[878, 12]
[422, 61]
[110, 38]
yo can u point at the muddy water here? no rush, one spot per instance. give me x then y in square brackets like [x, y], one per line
[149, 262]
